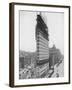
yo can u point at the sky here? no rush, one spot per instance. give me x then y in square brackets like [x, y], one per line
[55, 24]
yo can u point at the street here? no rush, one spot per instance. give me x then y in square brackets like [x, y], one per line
[58, 70]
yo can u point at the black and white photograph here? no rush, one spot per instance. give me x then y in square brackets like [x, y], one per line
[39, 44]
[41, 53]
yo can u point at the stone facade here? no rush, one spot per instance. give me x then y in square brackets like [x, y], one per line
[42, 46]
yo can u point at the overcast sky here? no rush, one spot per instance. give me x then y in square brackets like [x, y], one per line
[55, 23]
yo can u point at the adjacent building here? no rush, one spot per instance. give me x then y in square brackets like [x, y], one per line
[54, 56]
